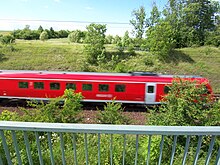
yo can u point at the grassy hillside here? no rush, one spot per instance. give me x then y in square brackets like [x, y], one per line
[4, 32]
[58, 54]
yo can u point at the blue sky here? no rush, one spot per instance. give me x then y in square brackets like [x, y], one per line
[15, 14]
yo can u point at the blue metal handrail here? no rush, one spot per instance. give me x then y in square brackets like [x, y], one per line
[37, 128]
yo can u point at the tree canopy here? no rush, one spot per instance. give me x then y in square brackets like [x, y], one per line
[95, 40]
[182, 23]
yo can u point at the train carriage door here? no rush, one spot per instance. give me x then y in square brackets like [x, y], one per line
[150, 93]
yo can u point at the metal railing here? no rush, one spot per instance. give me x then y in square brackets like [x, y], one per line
[38, 143]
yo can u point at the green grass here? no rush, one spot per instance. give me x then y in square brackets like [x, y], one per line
[4, 32]
[205, 62]
[38, 55]
[60, 55]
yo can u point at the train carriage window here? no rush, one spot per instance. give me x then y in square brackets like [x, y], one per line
[23, 84]
[120, 88]
[150, 89]
[87, 87]
[166, 89]
[70, 86]
[54, 86]
[38, 85]
[103, 87]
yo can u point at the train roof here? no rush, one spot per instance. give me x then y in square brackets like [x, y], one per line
[131, 76]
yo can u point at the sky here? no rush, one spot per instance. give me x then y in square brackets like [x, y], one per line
[72, 14]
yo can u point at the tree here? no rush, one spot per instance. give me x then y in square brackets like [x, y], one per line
[40, 29]
[117, 39]
[173, 14]
[126, 40]
[27, 27]
[76, 36]
[213, 38]
[154, 16]
[95, 40]
[109, 39]
[160, 39]
[191, 20]
[44, 36]
[53, 34]
[63, 33]
[138, 22]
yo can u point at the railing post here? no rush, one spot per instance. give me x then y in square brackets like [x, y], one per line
[210, 150]
[136, 152]
[62, 148]
[161, 149]
[50, 147]
[111, 149]
[218, 158]
[148, 151]
[1, 162]
[186, 150]
[5, 146]
[86, 149]
[173, 149]
[198, 149]
[39, 148]
[16, 147]
[99, 152]
[74, 149]
[124, 148]
[28, 149]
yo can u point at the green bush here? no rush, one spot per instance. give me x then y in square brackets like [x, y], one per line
[112, 114]
[186, 104]
[76, 36]
[44, 36]
[54, 110]
[7, 39]
[72, 107]
[9, 116]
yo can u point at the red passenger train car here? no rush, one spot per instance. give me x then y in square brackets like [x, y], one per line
[134, 87]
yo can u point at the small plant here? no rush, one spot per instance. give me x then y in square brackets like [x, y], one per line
[54, 110]
[72, 107]
[44, 36]
[112, 114]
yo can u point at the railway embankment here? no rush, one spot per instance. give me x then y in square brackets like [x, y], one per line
[60, 55]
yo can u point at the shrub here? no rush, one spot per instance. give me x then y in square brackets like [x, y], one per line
[76, 36]
[72, 107]
[112, 114]
[54, 110]
[44, 36]
[7, 39]
[184, 105]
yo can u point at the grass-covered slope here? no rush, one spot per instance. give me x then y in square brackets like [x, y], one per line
[58, 54]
